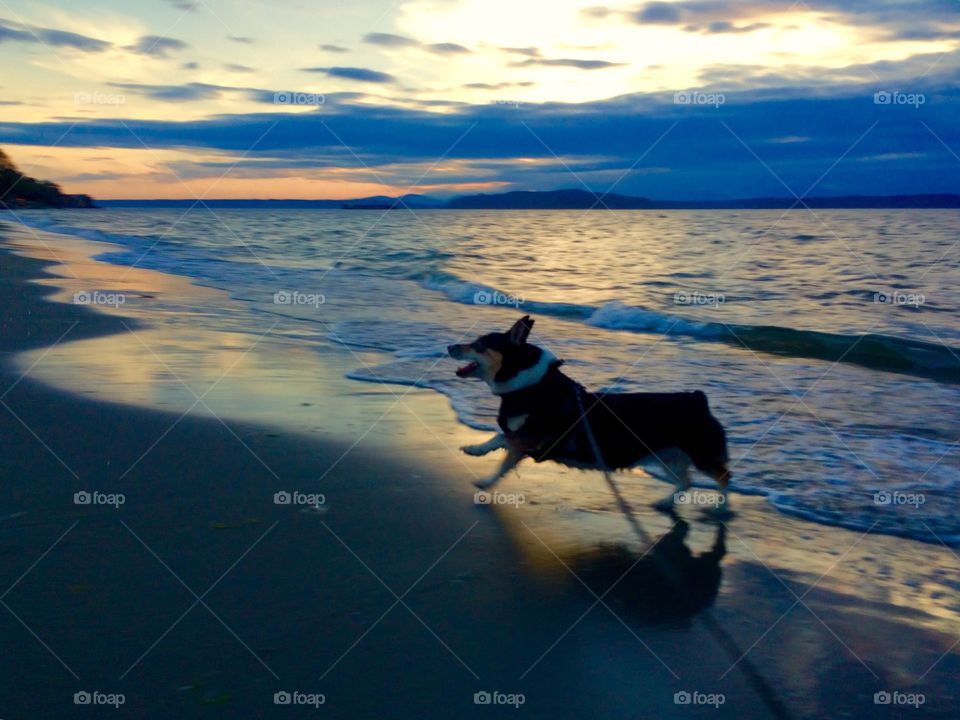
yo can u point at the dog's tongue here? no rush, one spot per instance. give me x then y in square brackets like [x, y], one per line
[466, 369]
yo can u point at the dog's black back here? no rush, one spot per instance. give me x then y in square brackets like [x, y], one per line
[627, 427]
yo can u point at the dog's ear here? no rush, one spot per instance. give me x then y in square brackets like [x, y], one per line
[520, 330]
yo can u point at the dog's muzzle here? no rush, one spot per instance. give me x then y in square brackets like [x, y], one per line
[465, 371]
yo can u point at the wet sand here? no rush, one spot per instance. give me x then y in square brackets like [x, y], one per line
[397, 597]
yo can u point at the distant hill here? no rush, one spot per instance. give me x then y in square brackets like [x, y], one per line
[21, 191]
[564, 200]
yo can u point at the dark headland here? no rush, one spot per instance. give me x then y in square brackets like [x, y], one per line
[18, 190]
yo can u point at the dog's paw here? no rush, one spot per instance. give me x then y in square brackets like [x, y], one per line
[475, 450]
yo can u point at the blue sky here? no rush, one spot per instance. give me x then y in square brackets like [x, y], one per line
[688, 99]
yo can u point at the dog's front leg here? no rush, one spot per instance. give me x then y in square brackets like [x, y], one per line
[497, 442]
[509, 463]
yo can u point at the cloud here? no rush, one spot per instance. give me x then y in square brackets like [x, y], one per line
[911, 74]
[704, 12]
[697, 156]
[354, 73]
[496, 86]
[597, 11]
[568, 62]
[97, 176]
[894, 15]
[659, 13]
[401, 41]
[526, 51]
[871, 20]
[446, 48]
[62, 38]
[234, 67]
[241, 39]
[770, 107]
[724, 26]
[389, 40]
[184, 6]
[8, 33]
[21, 32]
[156, 45]
[334, 48]
[177, 93]
[189, 65]
[923, 32]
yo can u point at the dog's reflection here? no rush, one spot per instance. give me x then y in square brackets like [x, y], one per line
[664, 583]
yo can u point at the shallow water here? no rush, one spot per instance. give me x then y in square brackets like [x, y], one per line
[829, 344]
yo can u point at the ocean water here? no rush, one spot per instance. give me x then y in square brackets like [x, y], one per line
[828, 343]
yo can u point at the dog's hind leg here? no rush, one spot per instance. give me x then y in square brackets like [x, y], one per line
[509, 463]
[676, 465]
[497, 442]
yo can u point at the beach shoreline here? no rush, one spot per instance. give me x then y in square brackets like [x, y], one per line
[306, 598]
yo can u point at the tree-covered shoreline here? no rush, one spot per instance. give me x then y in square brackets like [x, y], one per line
[22, 191]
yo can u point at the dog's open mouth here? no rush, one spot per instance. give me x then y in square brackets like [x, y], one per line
[468, 369]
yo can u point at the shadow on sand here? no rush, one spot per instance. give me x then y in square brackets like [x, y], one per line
[666, 582]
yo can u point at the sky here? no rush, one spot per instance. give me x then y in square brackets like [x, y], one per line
[687, 99]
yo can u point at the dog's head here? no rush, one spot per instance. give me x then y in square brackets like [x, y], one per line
[505, 361]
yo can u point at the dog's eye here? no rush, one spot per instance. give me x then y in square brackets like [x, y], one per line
[478, 347]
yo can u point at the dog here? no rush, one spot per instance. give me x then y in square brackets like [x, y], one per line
[546, 415]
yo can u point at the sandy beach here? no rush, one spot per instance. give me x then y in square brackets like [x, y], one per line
[186, 589]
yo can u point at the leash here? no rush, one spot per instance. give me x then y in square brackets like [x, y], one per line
[714, 626]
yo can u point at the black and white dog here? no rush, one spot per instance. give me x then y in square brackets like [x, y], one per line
[547, 416]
